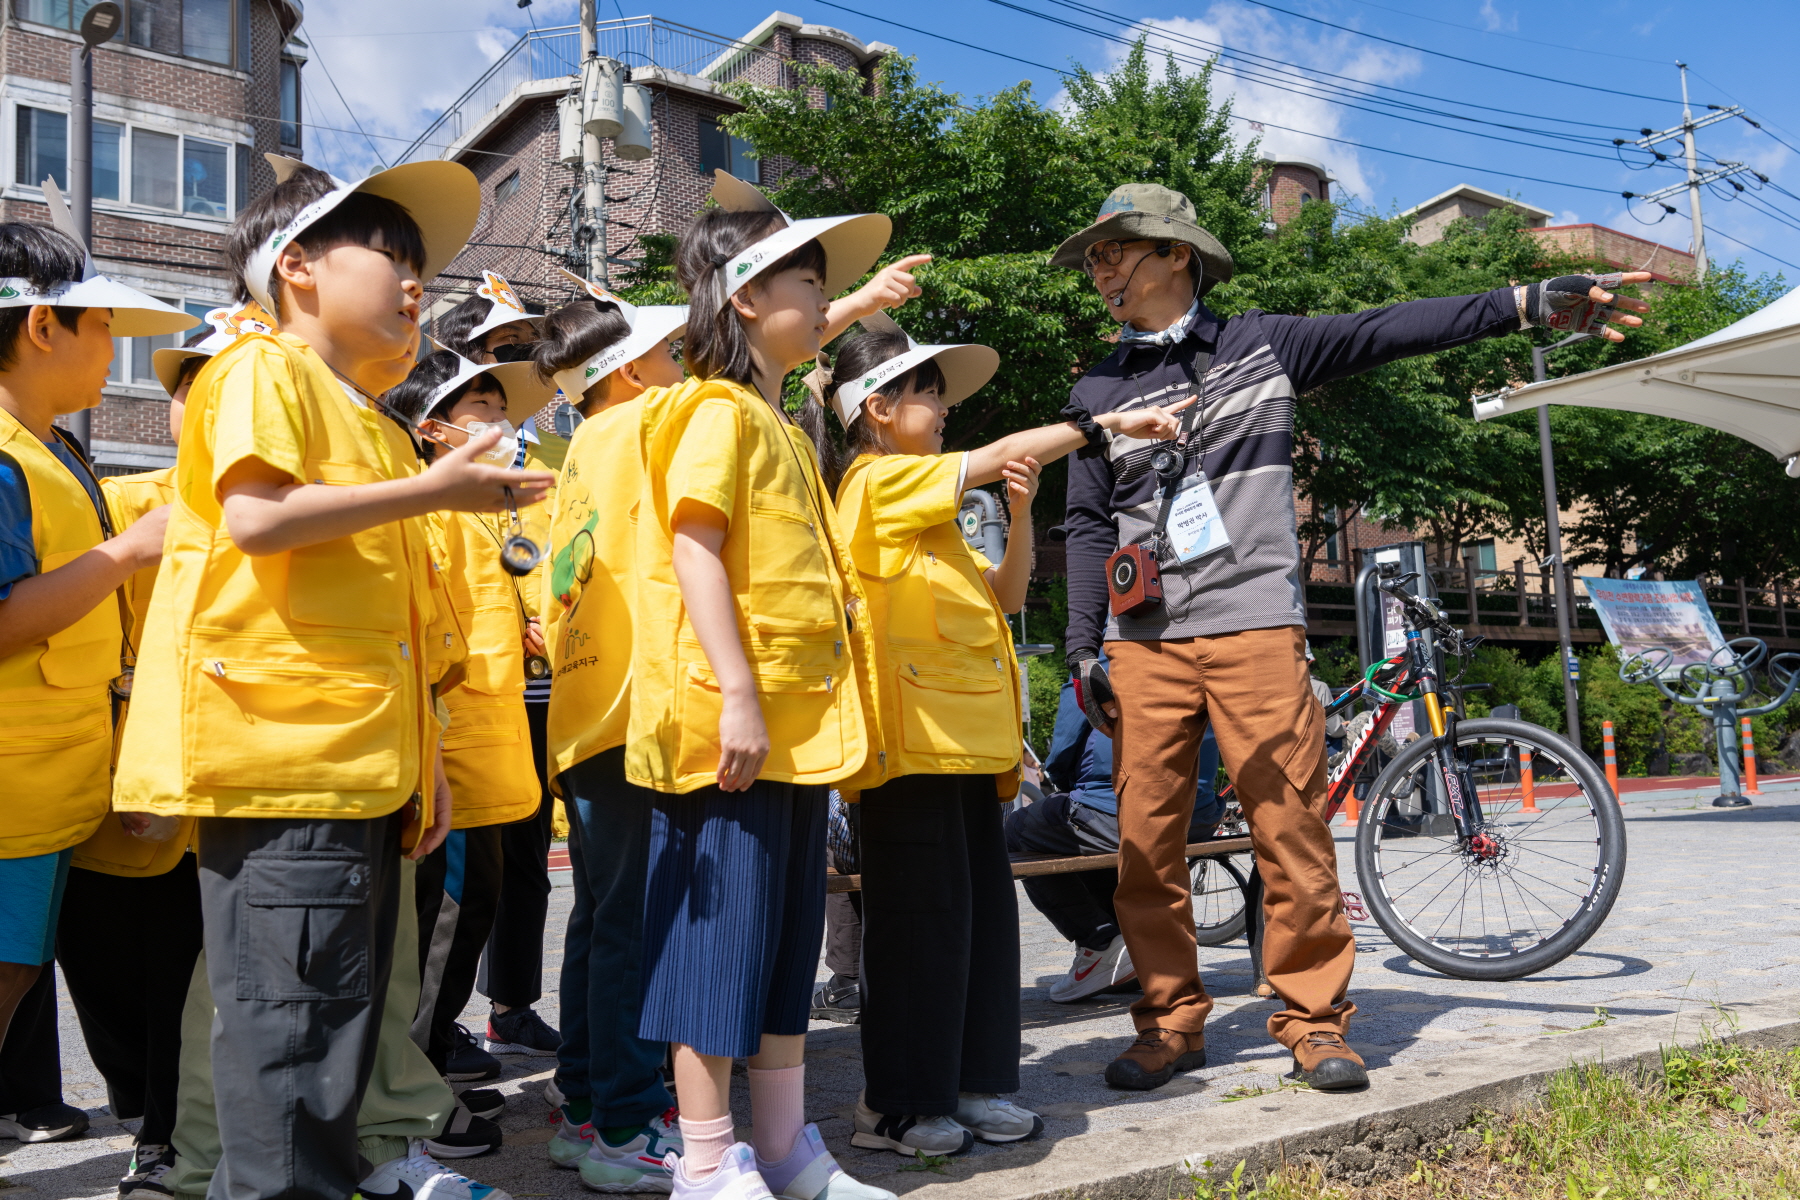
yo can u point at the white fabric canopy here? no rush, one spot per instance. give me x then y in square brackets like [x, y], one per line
[1744, 380]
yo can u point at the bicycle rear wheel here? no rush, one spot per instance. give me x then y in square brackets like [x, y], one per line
[1532, 894]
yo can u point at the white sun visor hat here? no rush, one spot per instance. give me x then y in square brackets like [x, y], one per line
[134, 314]
[525, 392]
[443, 198]
[852, 244]
[966, 370]
[505, 310]
[227, 324]
[650, 324]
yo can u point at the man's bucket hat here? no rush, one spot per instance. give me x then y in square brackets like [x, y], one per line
[1149, 210]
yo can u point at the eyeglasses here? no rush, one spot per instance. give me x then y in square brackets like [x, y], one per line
[1111, 252]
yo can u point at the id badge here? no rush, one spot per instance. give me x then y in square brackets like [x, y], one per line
[1195, 527]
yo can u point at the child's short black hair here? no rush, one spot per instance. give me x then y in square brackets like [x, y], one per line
[357, 221]
[452, 329]
[46, 257]
[409, 398]
[575, 333]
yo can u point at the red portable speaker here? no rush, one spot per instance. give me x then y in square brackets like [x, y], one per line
[1134, 581]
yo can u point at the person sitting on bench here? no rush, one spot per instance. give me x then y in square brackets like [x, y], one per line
[1080, 815]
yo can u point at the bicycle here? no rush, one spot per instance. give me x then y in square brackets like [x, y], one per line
[1488, 848]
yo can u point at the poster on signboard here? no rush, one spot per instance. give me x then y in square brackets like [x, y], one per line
[1645, 614]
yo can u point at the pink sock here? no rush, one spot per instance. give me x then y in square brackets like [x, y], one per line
[777, 1110]
[704, 1144]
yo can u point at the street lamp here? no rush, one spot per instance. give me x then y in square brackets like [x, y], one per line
[99, 25]
[1565, 595]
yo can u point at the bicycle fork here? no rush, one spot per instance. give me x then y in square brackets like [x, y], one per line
[1453, 780]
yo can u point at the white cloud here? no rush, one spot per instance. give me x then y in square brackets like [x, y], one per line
[1567, 216]
[1495, 21]
[1268, 95]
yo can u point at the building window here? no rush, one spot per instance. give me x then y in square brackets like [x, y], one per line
[290, 102]
[204, 177]
[43, 147]
[718, 149]
[189, 174]
[134, 359]
[108, 139]
[506, 188]
[155, 168]
[215, 31]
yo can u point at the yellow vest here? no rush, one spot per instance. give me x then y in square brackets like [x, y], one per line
[591, 586]
[947, 676]
[293, 684]
[547, 454]
[795, 588]
[487, 745]
[111, 850]
[55, 706]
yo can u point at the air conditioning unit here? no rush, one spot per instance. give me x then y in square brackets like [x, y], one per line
[568, 129]
[633, 143]
[603, 96]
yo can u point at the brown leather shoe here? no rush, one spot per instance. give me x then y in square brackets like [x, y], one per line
[1154, 1058]
[1322, 1059]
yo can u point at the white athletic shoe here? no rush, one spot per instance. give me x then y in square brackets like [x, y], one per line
[1094, 971]
[640, 1165]
[570, 1143]
[906, 1134]
[553, 1095]
[421, 1177]
[809, 1172]
[995, 1118]
[736, 1178]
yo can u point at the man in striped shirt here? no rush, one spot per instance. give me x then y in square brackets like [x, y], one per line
[1227, 642]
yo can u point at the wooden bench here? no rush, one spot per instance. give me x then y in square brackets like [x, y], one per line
[1047, 864]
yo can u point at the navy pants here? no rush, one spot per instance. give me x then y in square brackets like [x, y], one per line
[457, 889]
[602, 1057]
[512, 969]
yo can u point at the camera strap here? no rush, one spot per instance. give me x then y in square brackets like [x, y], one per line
[1194, 417]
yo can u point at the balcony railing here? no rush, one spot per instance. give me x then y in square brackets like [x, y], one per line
[555, 53]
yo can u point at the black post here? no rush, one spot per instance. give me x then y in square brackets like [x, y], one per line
[1565, 595]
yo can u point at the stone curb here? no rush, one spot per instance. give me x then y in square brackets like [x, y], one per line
[1354, 1136]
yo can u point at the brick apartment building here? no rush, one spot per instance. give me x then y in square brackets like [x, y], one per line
[505, 129]
[186, 99]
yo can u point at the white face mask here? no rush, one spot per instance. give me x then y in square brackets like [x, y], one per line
[505, 450]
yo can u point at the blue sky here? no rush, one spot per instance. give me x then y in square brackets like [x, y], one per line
[1342, 74]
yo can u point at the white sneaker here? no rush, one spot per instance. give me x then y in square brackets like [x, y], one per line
[736, 1178]
[809, 1172]
[570, 1143]
[640, 1165]
[995, 1118]
[421, 1177]
[553, 1095]
[1094, 971]
[907, 1134]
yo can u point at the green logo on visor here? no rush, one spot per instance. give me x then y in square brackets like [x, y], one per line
[869, 382]
[742, 267]
[9, 292]
[591, 372]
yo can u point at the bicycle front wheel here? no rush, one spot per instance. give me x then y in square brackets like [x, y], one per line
[1218, 887]
[1529, 890]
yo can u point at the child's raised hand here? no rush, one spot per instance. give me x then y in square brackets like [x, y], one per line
[1154, 423]
[743, 743]
[1021, 486]
[893, 285]
[460, 484]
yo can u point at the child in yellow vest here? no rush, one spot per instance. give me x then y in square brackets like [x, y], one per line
[60, 563]
[750, 691]
[289, 636]
[940, 1048]
[617, 1120]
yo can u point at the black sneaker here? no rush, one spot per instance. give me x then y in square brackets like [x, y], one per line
[466, 1136]
[521, 1031]
[468, 1061]
[838, 999]
[57, 1122]
[149, 1164]
[486, 1103]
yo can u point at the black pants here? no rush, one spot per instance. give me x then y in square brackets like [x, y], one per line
[300, 919]
[1079, 904]
[457, 890]
[31, 1056]
[512, 972]
[844, 933]
[940, 945]
[133, 1033]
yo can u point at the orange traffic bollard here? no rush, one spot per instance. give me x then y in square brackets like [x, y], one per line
[1612, 759]
[1352, 809]
[1750, 788]
[1526, 781]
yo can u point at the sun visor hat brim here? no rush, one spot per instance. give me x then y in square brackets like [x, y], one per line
[966, 371]
[651, 323]
[851, 244]
[167, 361]
[134, 314]
[525, 392]
[443, 198]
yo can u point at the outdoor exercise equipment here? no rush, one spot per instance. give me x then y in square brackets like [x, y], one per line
[1720, 686]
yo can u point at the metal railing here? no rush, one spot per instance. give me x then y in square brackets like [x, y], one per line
[555, 53]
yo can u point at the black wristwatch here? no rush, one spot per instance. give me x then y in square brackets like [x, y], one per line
[1096, 434]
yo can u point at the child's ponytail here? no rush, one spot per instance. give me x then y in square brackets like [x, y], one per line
[812, 419]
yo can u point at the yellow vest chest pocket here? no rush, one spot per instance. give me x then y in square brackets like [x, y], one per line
[790, 581]
[496, 663]
[375, 558]
[964, 613]
[293, 726]
[86, 653]
[965, 713]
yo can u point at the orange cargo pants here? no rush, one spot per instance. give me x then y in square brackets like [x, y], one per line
[1253, 687]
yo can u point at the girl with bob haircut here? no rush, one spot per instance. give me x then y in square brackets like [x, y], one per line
[751, 689]
[940, 1048]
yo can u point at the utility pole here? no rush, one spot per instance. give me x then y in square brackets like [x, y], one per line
[100, 23]
[1693, 178]
[593, 165]
[1553, 546]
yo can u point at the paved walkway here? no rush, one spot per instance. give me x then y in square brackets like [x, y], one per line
[1708, 912]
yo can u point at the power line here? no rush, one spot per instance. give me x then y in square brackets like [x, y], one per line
[1510, 36]
[1746, 245]
[354, 119]
[942, 38]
